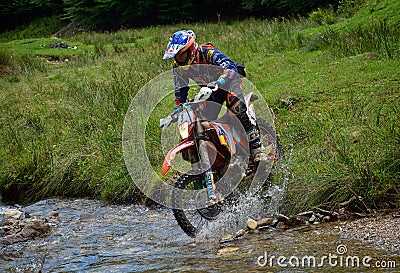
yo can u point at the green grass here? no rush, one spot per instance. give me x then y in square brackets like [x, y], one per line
[335, 97]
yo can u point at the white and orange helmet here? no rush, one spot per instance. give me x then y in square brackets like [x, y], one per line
[180, 41]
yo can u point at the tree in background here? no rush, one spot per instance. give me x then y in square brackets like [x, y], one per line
[18, 12]
[114, 14]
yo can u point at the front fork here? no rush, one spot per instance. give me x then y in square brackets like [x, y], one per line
[205, 161]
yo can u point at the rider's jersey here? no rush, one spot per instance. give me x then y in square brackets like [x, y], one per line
[219, 67]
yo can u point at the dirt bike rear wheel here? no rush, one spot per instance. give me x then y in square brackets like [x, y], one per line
[269, 137]
[191, 221]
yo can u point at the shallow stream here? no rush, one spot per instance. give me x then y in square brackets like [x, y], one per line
[89, 236]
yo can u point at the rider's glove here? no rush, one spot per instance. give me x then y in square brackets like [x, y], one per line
[216, 84]
[213, 85]
[177, 109]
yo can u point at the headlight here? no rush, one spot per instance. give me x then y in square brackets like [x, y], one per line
[184, 129]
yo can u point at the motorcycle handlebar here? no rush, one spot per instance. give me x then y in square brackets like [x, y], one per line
[204, 94]
[165, 122]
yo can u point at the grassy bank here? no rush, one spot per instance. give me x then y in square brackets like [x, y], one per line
[334, 90]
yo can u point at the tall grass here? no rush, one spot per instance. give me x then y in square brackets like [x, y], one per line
[378, 37]
[61, 123]
[352, 147]
[61, 135]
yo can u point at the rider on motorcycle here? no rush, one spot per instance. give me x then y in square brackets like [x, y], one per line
[189, 56]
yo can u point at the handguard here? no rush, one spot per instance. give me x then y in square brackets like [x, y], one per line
[165, 122]
[203, 94]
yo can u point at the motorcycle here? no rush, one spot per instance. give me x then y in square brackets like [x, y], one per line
[213, 148]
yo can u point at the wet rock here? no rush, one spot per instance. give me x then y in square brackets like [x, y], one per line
[240, 233]
[264, 222]
[274, 223]
[226, 238]
[283, 218]
[319, 217]
[13, 213]
[227, 250]
[326, 219]
[281, 225]
[32, 229]
[312, 219]
[298, 220]
[306, 213]
[323, 212]
[259, 224]
[359, 215]
[251, 224]
[300, 229]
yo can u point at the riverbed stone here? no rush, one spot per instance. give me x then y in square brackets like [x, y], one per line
[312, 219]
[323, 212]
[298, 220]
[283, 218]
[31, 229]
[251, 224]
[240, 233]
[326, 219]
[306, 213]
[264, 222]
[281, 225]
[13, 213]
[226, 238]
[227, 250]
[274, 223]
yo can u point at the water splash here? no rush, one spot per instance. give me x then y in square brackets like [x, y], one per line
[267, 202]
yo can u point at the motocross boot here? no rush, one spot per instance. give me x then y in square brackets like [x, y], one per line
[256, 148]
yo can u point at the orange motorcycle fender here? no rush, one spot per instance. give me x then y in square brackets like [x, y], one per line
[169, 158]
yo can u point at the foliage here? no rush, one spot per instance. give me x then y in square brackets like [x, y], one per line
[19, 12]
[336, 103]
[323, 17]
[376, 36]
[348, 8]
[116, 14]
[285, 7]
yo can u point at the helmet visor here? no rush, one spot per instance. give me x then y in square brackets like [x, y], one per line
[182, 58]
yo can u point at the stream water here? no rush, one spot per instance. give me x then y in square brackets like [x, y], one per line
[89, 236]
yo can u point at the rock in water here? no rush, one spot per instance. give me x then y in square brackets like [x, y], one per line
[13, 213]
[32, 229]
[283, 218]
[264, 222]
[251, 224]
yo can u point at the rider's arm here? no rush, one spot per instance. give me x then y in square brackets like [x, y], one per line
[216, 57]
[181, 83]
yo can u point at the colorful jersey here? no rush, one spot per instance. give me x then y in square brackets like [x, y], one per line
[209, 65]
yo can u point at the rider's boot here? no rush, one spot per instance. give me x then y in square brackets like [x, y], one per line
[256, 148]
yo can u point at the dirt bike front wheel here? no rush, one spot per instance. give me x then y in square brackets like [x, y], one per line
[192, 221]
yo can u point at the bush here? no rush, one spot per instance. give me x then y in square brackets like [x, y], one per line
[323, 17]
[348, 8]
